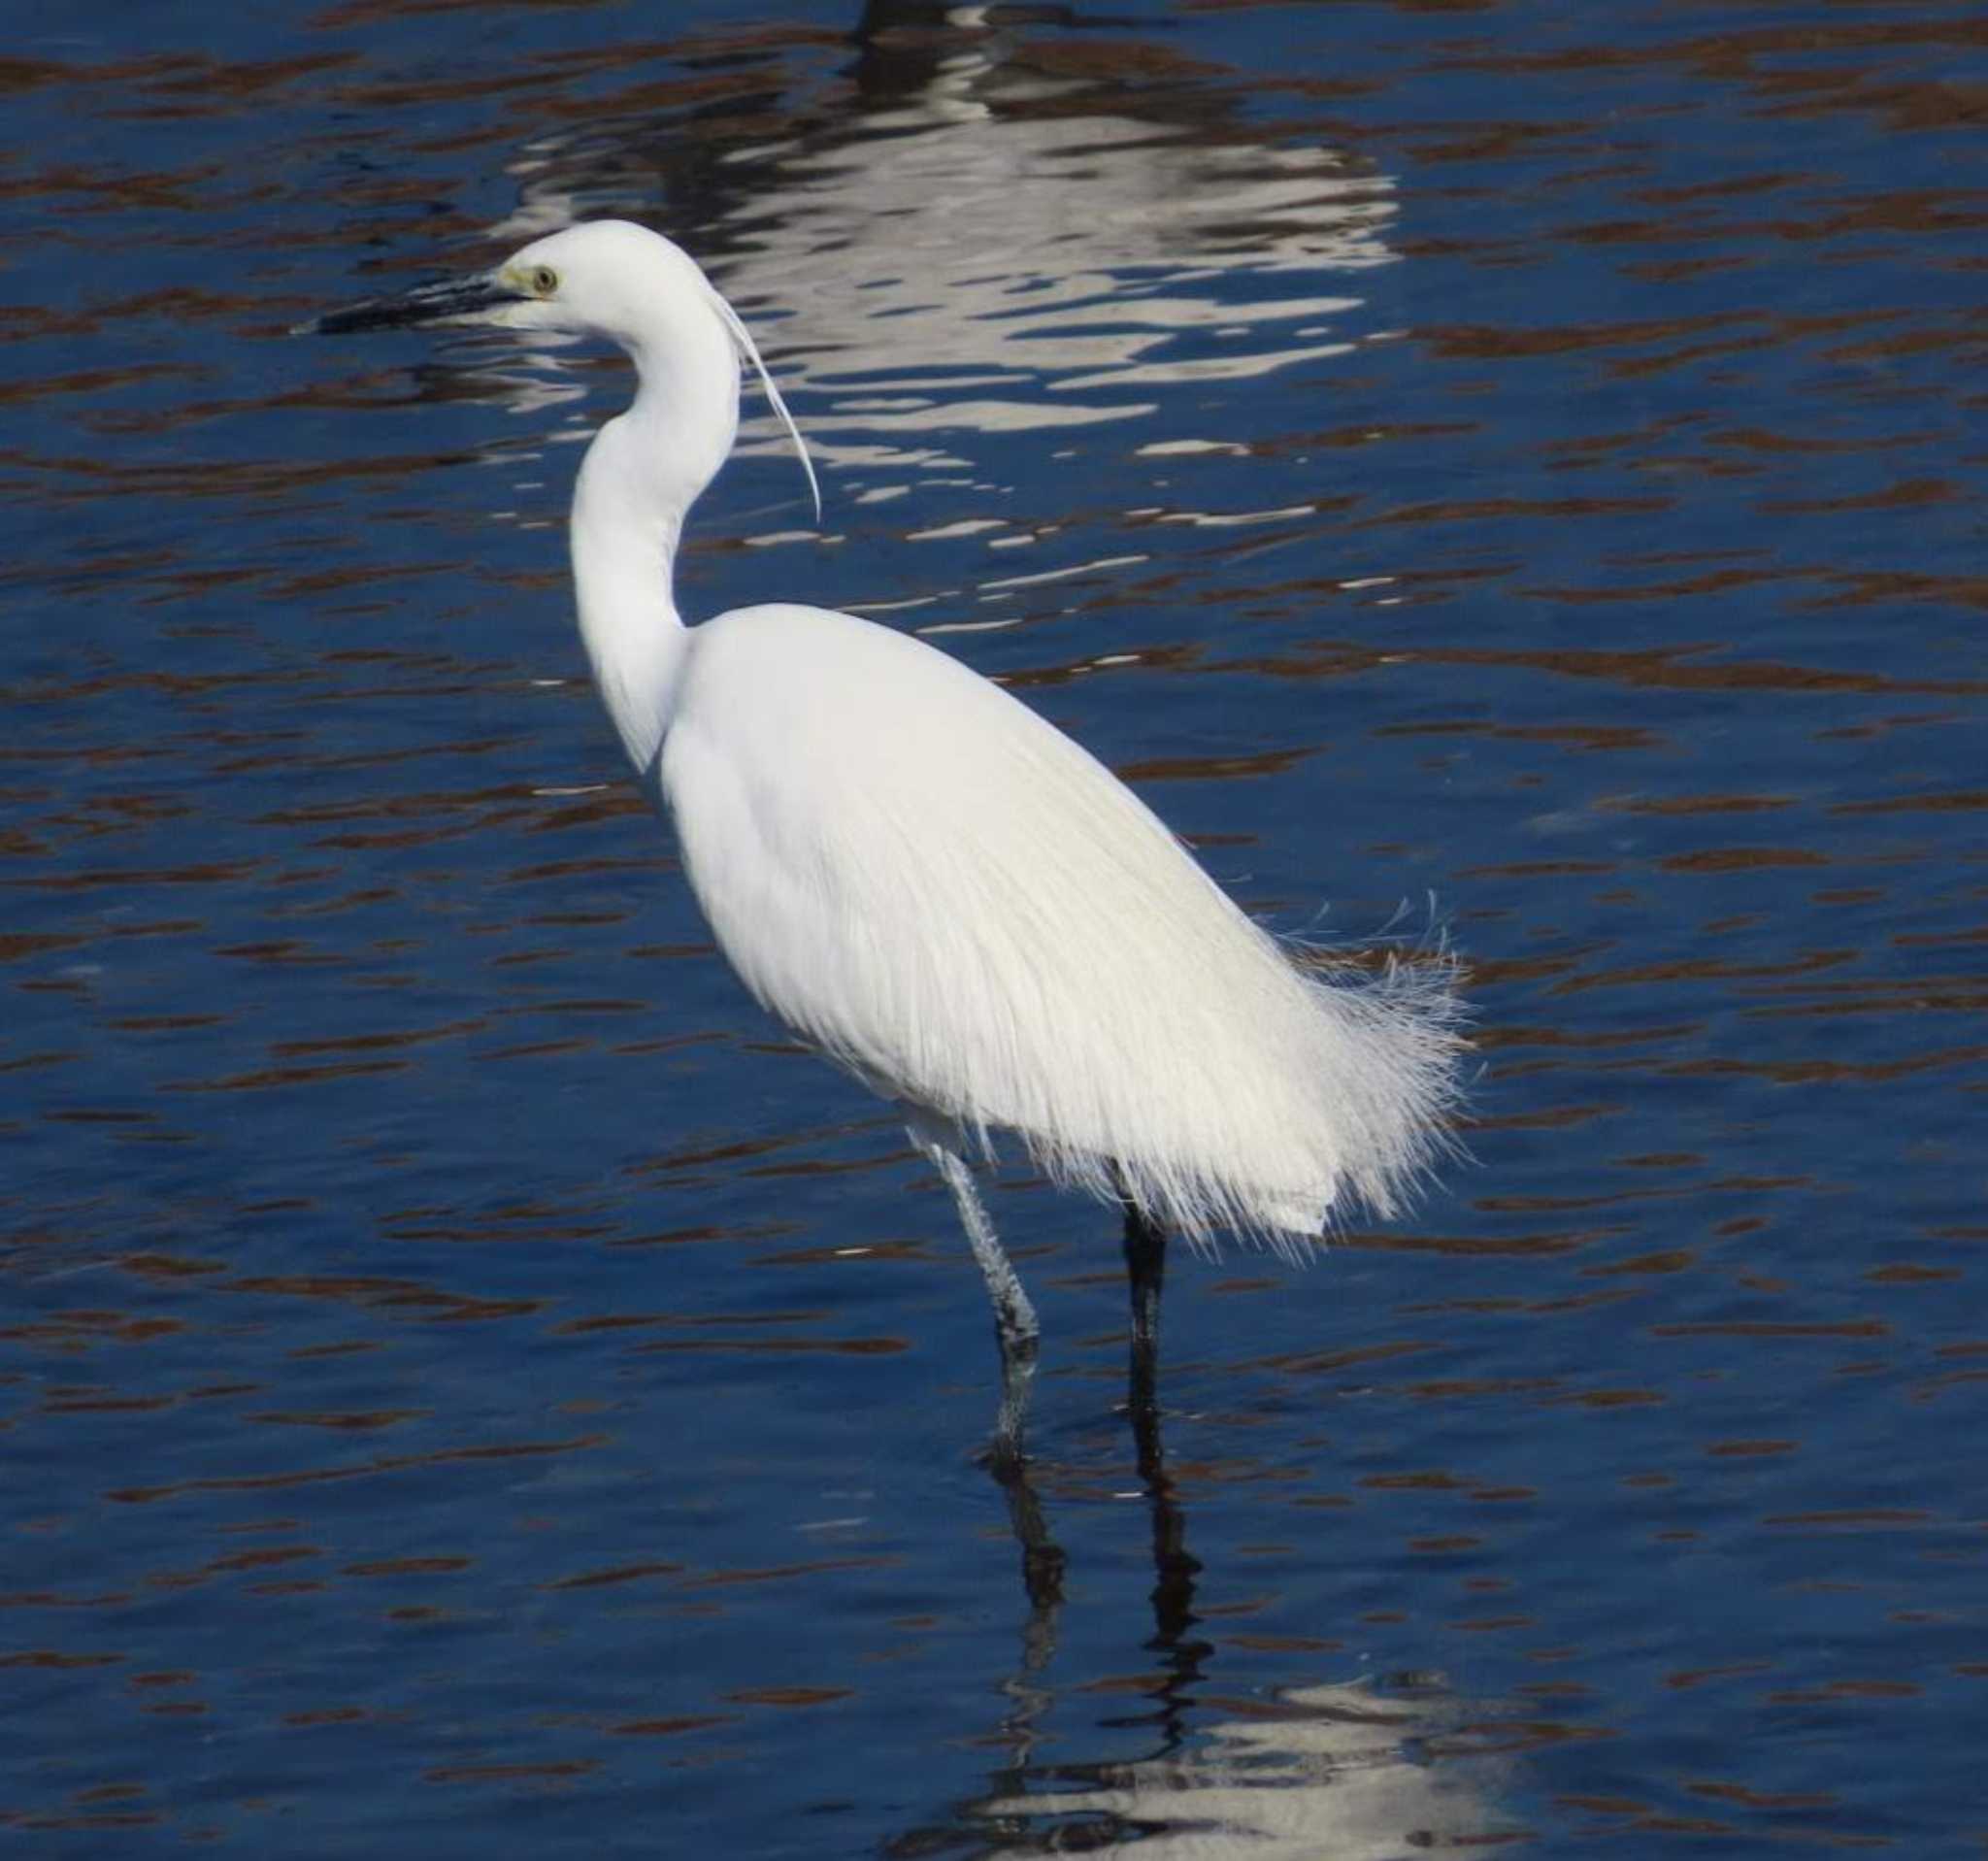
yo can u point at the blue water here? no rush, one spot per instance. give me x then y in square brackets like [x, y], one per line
[469, 1385]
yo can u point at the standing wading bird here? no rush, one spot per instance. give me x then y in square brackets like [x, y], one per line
[933, 887]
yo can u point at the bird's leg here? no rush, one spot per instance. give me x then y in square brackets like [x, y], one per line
[1145, 1269]
[1174, 1567]
[1014, 1318]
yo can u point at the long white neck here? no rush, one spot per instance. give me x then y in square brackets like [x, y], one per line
[641, 476]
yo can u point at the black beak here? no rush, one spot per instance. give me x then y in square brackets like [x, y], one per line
[455, 300]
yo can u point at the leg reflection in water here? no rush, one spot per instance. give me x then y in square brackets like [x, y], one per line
[1043, 1564]
[1359, 1769]
[1043, 1561]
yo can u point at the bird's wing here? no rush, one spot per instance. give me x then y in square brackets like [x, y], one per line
[929, 883]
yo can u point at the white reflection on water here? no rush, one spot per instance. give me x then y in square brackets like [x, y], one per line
[977, 251]
[1336, 1771]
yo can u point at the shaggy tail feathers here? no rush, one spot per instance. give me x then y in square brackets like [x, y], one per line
[1380, 1054]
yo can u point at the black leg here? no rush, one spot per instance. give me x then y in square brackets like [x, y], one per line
[1145, 1268]
[1174, 1567]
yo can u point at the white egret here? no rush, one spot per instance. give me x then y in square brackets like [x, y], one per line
[933, 886]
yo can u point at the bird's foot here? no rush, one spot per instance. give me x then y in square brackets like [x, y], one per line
[1019, 1350]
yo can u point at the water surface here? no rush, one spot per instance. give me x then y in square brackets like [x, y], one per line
[467, 1381]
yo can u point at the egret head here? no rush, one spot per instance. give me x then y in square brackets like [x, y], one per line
[607, 277]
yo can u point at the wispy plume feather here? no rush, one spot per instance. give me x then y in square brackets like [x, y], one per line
[749, 349]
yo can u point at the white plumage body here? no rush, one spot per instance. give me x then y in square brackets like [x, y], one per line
[930, 884]
[933, 886]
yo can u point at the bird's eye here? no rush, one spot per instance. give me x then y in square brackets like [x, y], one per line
[545, 281]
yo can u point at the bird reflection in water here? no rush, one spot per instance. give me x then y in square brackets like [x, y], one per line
[1354, 1770]
[985, 230]
[1342, 1770]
